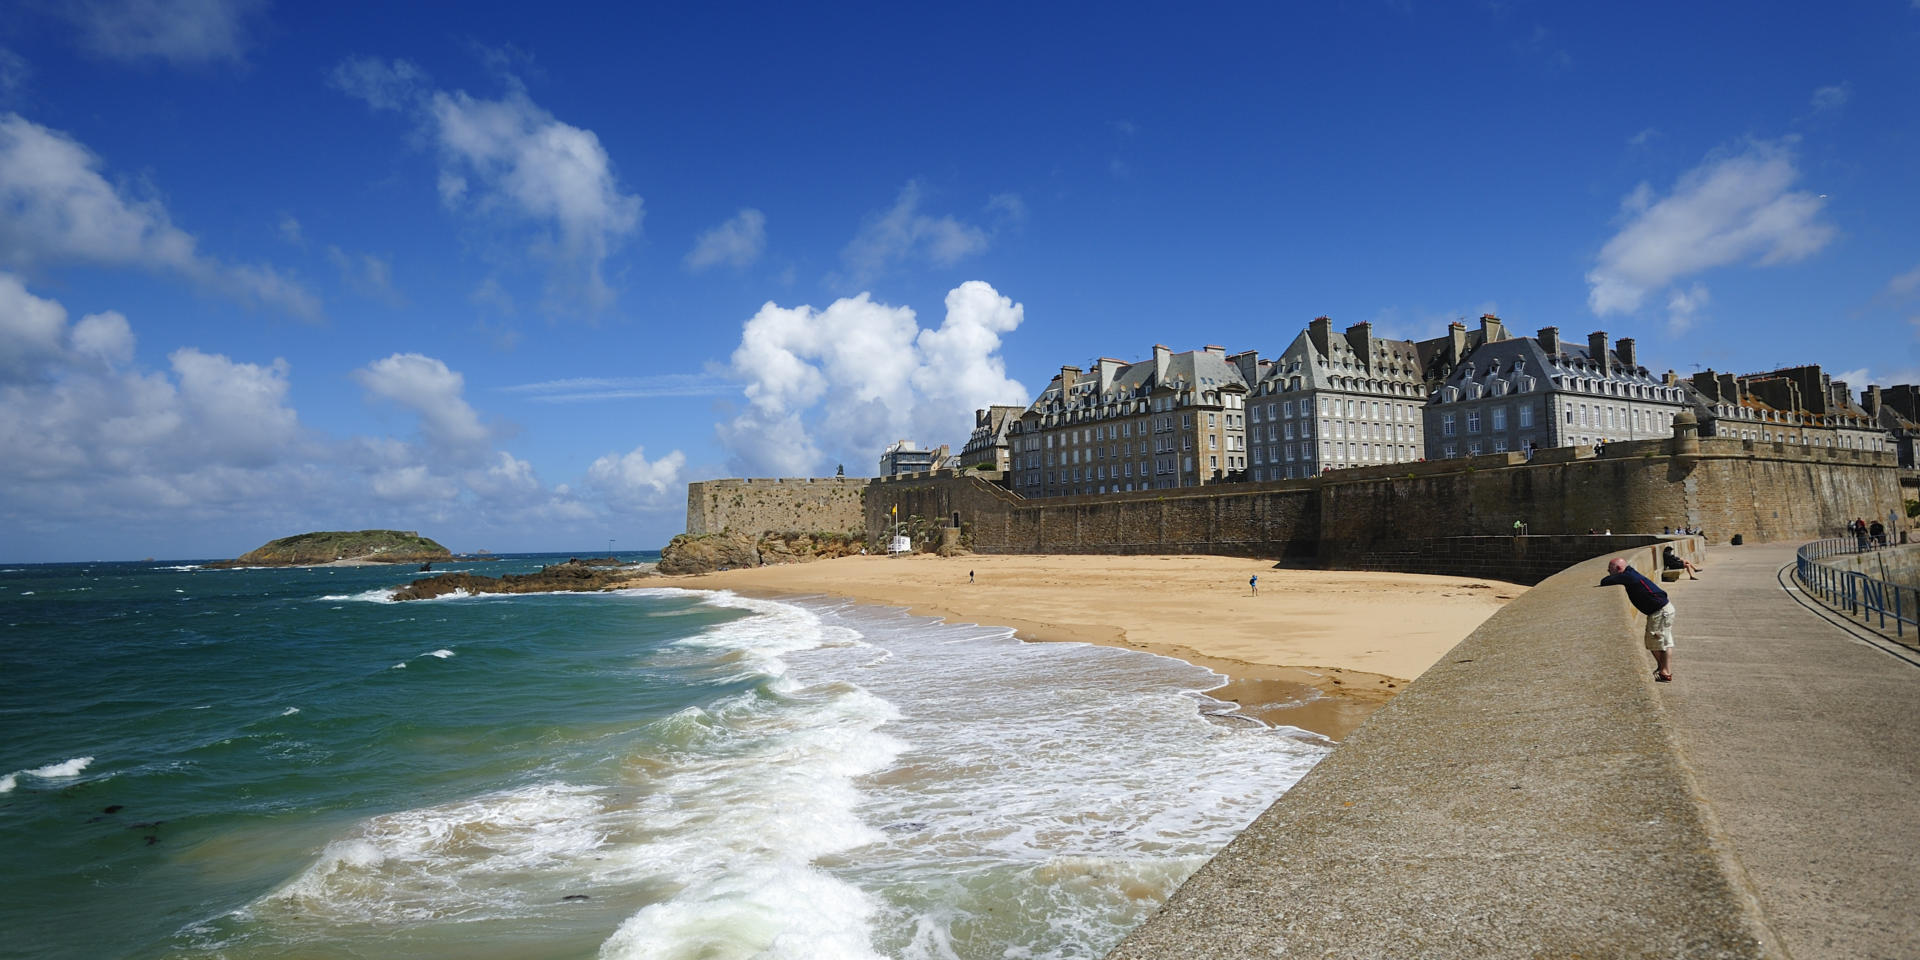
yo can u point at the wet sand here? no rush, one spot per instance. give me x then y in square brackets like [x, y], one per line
[1314, 649]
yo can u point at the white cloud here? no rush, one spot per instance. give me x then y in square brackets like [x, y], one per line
[1907, 283]
[15, 72]
[1643, 138]
[904, 233]
[1734, 207]
[434, 393]
[179, 31]
[631, 481]
[61, 210]
[1684, 306]
[847, 380]
[367, 275]
[291, 232]
[383, 85]
[207, 456]
[511, 159]
[578, 389]
[1832, 97]
[737, 242]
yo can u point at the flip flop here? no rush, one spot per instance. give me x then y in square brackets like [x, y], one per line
[1661, 679]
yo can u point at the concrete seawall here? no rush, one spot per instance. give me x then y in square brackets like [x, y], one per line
[1524, 798]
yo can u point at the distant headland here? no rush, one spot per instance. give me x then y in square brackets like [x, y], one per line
[344, 547]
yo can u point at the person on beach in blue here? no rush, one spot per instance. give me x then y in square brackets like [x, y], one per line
[1253, 584]
[1648, 598]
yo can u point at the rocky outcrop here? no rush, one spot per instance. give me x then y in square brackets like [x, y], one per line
[706, 553]
[327, 546]
[572, 576]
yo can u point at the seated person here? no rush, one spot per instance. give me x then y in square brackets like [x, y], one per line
[1673, 561]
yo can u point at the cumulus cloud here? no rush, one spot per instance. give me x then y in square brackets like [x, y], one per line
[101, 457]
[60, 209]
[1684, 306]
[427, 388]
[631, 481]
[177, 31]
[511, 159]
[1735, 207]
[737, 242]
[847, 380]
[902, 233]
[1832, 97]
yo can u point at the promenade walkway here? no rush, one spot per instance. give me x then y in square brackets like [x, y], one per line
[1805, 741]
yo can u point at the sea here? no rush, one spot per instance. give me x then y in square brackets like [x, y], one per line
[200, 763]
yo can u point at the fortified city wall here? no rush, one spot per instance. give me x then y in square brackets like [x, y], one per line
[788, 504]
[1354, 518]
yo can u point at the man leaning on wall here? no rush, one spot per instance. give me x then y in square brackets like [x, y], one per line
[1648, 598]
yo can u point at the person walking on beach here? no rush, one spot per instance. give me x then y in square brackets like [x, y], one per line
[969, 576]
[1648, 598]
[1253, 584]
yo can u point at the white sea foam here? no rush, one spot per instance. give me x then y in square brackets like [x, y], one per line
[52, 771]
[402, 665]
[467, 860]
[377, 595]
[65, 768]
[290, 711]
[26, 593]
[442, 654]
[184, 566]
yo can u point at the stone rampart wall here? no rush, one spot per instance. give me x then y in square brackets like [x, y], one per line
[1762, 491]
[796, 504]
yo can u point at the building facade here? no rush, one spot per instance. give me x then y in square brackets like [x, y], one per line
[1524, 393]
[904, 457]
[1335, 400]
[1897, 409]
[986, 448]
[1177, 420]
[1799, 405]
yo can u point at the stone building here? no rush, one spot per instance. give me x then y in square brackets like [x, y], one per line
[1440, 355]
[1799, 405]
[904, 457]
[1335, 400]
[1174, 421]
[1522, 393]
[1897, 410]
[986, 447]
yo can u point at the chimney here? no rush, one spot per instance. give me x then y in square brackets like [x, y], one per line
[1319, 332]
[1492, 330]
[1597, 351]
[1068, 377]
[1248, 363]
[1160, 357]
[1457, 341]
[1550, 340]
[979, 419]
[1870, 400]
[1360, 338]
[1623, 348]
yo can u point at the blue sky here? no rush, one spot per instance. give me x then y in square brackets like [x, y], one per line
[512, 275]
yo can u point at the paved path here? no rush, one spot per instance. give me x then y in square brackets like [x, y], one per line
[1806, 743]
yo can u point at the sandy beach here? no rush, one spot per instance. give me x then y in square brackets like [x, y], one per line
[1315, 649]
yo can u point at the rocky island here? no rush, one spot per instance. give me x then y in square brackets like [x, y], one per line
[575, 575]
[342, 546]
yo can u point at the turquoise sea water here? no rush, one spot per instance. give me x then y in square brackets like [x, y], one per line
[281, 763]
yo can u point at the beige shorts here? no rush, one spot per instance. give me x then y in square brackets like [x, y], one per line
[1660, 629]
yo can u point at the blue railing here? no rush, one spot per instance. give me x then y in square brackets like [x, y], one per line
[1875, 602]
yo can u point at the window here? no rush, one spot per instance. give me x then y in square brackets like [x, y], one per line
[1473, 422]
[1499, 444]
[1306, 428]
[1526, 415]
[1447, 451]
[1473, 449]
[1446, 426]
[1500, 418]
[1213, 442]
[1210, 421]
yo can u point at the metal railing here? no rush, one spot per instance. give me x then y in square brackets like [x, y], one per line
[1854, 593]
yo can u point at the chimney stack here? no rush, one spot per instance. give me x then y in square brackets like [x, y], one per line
[1624, 349]
[1457, 341]
[1160, 357]
[1319, 333]
[1550, 340]
[1360, 338]
[1870, 400]
[1597, 350]
[1248, 363]
[1492, 329]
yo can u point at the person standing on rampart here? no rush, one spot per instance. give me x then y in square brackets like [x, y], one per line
[1648, 598]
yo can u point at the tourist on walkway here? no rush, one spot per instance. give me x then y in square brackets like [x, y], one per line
[1860, 533]
[1648, 598]
[1253, 584]
[1877, 533]
[1674, 561]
